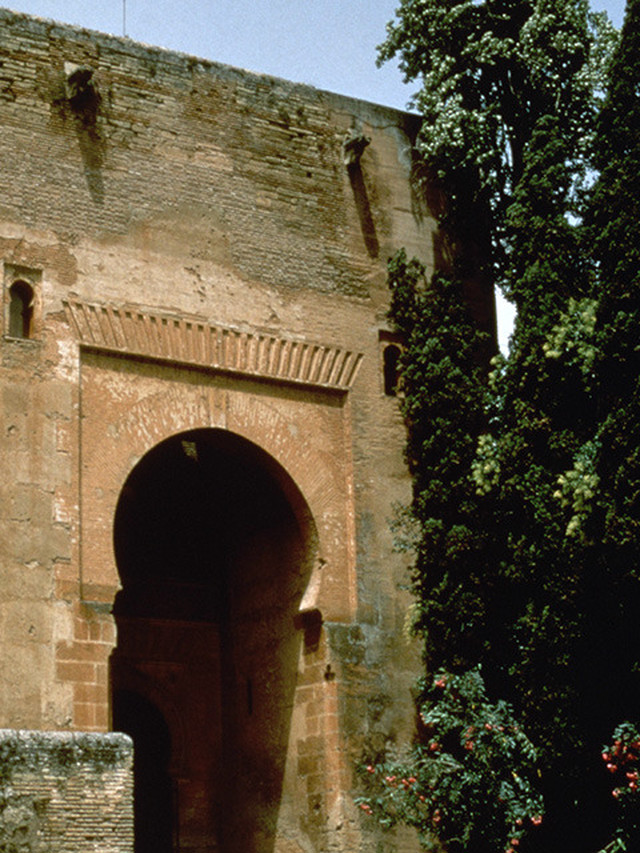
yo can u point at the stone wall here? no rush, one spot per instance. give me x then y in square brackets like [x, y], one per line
[201, 162]
[62, 792]
[204, 263]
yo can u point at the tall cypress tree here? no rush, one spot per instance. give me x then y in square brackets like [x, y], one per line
[442, 402]
[504, 573]
[542, 412]
[495, 576]
[614, 230]
[611, 524]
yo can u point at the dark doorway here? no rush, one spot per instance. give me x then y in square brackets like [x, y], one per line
[214, 546]
[391, 357]
[153, 796]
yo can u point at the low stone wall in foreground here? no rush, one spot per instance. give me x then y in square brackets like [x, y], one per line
[65, 792]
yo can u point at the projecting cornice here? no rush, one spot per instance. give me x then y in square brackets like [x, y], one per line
[194, 342]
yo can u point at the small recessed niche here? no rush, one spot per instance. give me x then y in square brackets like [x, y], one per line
[21, 298]
[21, 287]
[391, 352]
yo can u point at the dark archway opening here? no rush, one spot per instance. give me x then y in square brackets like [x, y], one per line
[214, 546]
[152, 793]
[20, 309]
[391, 358]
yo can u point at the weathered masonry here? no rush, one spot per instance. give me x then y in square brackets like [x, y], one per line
[200, 446]
[65, 792]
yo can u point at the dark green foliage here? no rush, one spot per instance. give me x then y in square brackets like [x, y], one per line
[442, 404]
[612, 525]
[527, 496]
[622, 761]
[542, 412]
[615, 232]
[464, 788]
[497, 579]
[615, 205]
[488, 71]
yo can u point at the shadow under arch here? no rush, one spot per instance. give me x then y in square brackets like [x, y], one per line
[153, 794]
[214, 545]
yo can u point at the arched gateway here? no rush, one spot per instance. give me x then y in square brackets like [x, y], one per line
[201, 445]
[214, 545]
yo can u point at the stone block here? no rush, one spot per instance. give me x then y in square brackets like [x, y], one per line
[27, 622]
[20, 581]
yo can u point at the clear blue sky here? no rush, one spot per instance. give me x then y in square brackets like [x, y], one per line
[330, 44]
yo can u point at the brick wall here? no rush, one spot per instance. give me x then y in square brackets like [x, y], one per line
[250, 166]
[65, 793]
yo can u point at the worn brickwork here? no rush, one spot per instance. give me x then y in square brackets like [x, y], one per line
[63, 792]
[193, 325]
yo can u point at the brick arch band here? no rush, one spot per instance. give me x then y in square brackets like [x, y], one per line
[112, 448]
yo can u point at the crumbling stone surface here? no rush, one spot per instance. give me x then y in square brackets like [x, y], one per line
[63, 792]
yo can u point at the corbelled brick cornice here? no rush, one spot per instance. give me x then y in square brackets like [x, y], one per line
[195, 342]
